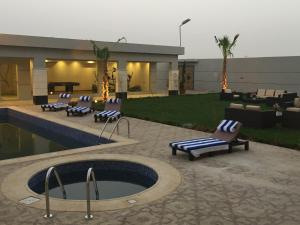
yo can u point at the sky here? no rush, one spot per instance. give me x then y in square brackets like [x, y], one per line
[266, 27]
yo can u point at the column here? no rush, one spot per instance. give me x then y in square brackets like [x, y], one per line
[24, 80]
[153, 77]
[173, 78]
[39, 81]
[121, 80]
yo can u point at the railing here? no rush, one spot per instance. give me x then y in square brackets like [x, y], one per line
[100, 136]
[90, 174]
[117, 126]
[49, 172]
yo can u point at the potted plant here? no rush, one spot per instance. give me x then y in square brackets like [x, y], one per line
[103, 56]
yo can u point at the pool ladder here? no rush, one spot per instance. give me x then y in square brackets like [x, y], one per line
[49, 173]
[90, 175]
[114, 128]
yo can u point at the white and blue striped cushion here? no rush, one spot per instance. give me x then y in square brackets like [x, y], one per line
[64, 95]
[114, 101]
[84, 98]
[56, 105]
[108, 113]
[199, 143]
[227, 126]
[79, 109]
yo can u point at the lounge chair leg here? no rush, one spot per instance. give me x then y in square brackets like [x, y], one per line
[191, 157]
[67, 113]
[247, 145]
[96, 119]
[173, 151]
[230, 149]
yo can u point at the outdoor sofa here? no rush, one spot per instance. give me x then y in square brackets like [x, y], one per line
[224, 138]
[291, 116]
[83, 107]
[251, 116]
[61, 103]
[112, 110]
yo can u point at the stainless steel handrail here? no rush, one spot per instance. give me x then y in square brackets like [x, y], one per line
[90, 174]
[49, 172]
[104, 127]
[117, 126]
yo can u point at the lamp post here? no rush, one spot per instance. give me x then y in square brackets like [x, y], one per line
[183, 22]
[122, 38]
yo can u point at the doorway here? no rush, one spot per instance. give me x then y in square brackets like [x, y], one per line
[8, 80]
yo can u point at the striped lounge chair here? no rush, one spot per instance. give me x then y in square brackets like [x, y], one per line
[83, 107]
[224, 138]
[111, 110]
[62, 103]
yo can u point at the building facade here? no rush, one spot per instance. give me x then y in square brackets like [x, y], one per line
[35, 67]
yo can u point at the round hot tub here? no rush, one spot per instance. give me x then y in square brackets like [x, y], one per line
[114, 179]
[123, 181]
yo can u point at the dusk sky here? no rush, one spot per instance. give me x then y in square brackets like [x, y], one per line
[266, 27]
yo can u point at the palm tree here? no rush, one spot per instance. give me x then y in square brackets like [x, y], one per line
[103, 56]
[226, 45]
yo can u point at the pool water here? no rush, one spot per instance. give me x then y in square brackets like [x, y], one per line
[107, 190]
[18, 142]
[22, 134]
[114, 179]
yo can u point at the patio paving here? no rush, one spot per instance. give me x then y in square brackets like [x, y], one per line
[259, 186]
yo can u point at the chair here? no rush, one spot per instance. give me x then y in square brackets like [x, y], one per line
[83, 107]
[224, 138]
[291, 116]
[260, 93]
[112, 109]
[61, 103]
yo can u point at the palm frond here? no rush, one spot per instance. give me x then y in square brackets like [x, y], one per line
[234, 40]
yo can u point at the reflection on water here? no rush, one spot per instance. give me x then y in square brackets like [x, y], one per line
[17, 142]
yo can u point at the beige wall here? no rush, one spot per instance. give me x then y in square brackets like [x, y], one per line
[8, 79]
[18, 77]
[140, 74]
[72, 71]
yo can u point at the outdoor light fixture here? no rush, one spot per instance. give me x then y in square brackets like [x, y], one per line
[90, 62]
[122, 38]
[183, 22]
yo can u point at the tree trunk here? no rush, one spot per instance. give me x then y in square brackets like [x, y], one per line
[224, 81]
[105, 81]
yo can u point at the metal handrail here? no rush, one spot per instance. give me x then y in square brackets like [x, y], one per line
[90, 174]
[49, 172]
[117, 126]
[100, 136]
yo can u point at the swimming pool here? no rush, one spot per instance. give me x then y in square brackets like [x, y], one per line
[22, 134]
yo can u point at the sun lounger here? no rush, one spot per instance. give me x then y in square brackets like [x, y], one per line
[224, 138]
[83, 107]
[111, 110]
[62, 103]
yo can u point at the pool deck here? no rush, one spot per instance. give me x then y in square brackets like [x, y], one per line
[259, 186]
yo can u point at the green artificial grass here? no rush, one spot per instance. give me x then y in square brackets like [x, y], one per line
[202, 112]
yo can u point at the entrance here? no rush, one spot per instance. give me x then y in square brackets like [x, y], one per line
[189, 75]
[8, 80]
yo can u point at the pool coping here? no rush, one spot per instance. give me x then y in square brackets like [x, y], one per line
[15, 185]
[118, 140]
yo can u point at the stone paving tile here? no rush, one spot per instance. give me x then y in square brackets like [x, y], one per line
[243, 188]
